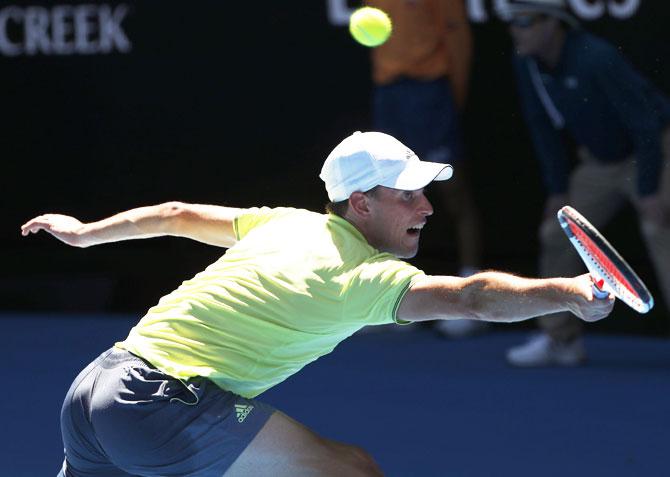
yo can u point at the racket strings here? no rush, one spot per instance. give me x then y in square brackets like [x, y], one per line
[602, 261]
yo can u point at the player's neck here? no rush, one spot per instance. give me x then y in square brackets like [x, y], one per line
[358, 225]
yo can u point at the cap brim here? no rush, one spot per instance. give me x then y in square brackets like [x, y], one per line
[418, 174]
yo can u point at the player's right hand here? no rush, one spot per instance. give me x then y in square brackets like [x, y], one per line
[65, 228]
[585, 305]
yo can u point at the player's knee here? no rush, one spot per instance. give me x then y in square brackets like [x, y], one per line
[358, 461]
[365, 461]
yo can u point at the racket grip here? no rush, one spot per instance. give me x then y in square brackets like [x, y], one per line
[598, 293]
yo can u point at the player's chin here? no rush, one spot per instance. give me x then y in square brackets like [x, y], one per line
[406, 246]
[409, 251]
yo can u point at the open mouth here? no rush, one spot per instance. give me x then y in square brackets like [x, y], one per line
[415, 230]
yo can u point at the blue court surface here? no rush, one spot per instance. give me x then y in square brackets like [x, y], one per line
[422, 405]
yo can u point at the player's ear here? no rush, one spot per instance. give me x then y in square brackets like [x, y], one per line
[359, 203]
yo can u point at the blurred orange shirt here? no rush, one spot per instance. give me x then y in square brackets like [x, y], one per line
[430, 39]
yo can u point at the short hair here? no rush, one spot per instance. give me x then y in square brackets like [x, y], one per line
[341, 207]
[338, 208]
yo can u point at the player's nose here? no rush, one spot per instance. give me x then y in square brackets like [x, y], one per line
[425, 207]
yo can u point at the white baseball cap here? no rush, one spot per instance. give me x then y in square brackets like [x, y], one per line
[368, 159]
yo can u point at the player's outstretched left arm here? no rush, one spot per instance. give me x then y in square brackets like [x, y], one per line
[210, 224]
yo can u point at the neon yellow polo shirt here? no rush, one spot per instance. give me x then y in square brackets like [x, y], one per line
[295, 285]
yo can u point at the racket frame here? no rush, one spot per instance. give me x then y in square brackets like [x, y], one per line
[629, 288]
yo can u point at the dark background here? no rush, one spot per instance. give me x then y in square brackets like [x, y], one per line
[238, 103]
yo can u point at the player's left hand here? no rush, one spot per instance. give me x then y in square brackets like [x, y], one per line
[65, 228]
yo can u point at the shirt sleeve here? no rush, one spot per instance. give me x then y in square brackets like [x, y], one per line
[547, 141]
[256, 216]
[376, 289]
[636, 104]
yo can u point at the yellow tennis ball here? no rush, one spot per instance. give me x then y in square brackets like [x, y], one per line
[370, 26]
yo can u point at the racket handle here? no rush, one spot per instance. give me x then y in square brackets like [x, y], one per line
[598, 293]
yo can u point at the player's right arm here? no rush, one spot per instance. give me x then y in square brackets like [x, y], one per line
[500, 297]
[210, 224]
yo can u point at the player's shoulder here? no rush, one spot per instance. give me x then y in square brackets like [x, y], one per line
[277, 212]
[286, 217]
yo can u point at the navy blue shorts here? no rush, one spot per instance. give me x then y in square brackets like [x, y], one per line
[422, 115]
[123, 417]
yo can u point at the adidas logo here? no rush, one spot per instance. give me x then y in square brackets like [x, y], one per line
[242, 411]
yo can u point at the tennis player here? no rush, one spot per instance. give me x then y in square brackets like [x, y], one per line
[178, 396]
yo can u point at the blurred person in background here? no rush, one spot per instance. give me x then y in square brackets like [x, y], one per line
[575, 85]
[420, 84]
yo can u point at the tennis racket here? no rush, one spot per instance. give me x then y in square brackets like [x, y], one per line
[610, 272]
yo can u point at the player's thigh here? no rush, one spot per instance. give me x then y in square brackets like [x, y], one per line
[151, 424]
[284, 447]
[83, 453]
